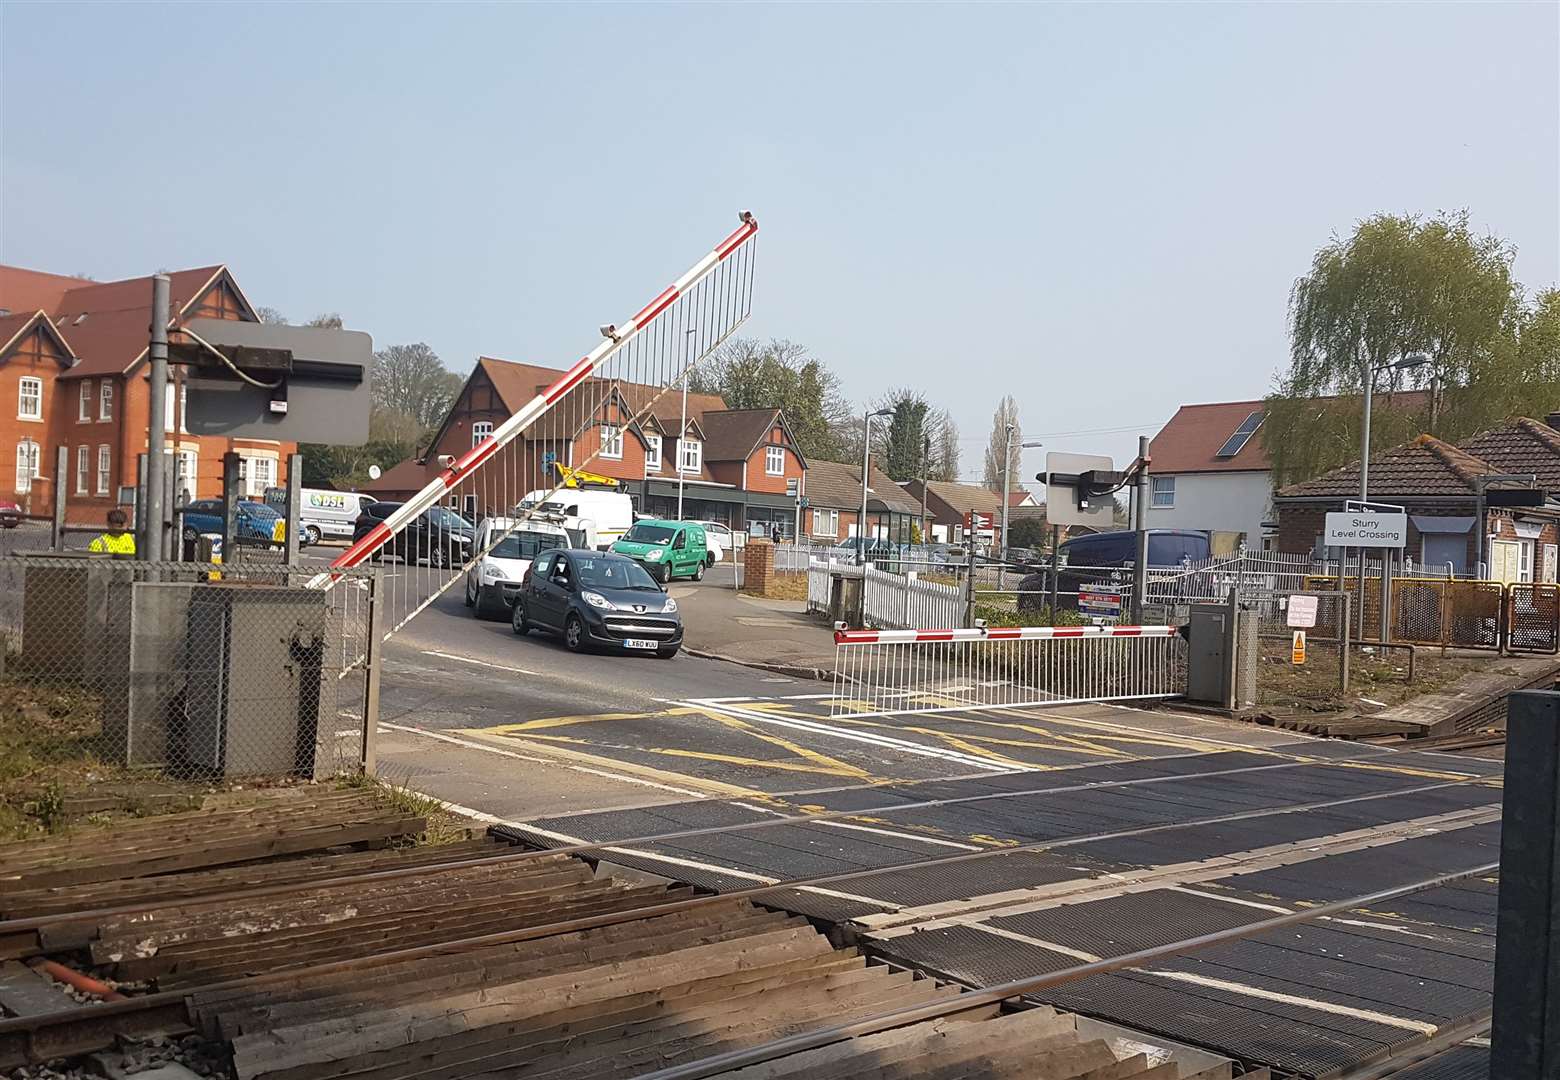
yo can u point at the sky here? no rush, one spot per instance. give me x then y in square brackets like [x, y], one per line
[1099, 209]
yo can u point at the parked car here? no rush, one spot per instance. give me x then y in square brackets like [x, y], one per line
[438, 536]
[668, 549]
[1104, 558]
[10, 514]
[599, 600]
[257, 523]
[608, 513]
[493, 581]
[877, 550]
[720, 539]
[322, 513]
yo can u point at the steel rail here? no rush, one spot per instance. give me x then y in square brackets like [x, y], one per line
[975, 999]
[38, 922]
[613, 918]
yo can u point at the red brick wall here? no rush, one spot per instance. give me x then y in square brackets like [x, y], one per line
[759, 480]
[37, 357]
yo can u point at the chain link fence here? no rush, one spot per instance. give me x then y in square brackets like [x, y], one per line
[200, 671]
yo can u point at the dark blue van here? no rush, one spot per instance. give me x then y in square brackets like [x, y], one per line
[1092, 559]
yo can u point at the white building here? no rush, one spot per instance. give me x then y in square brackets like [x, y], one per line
[1209, 471]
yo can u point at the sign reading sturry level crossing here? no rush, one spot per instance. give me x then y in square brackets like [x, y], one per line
[1367, 529]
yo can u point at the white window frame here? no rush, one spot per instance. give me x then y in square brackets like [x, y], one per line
[774, 460]
[181, 414]
[612, 442]
[27, 458]
[83, 468]
[832, 517]
[35, 385]
[652, 453]
[254, 486]
[106, 399]
[105, 467]
[1525, 553]
[1161, 492]
[690, 455]
[84, 401]
[480, 429]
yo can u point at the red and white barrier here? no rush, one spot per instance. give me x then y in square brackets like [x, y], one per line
[998, 633]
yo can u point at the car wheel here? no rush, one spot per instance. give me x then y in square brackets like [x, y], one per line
[574, 634]
[698, 572]
[667, 654]
[663, 573]
[517, 620]
[490, 604]
[311, 534]
[709, 560]
[440, 558]
[471, 597]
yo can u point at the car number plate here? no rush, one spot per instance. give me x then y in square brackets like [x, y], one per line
[640, 643]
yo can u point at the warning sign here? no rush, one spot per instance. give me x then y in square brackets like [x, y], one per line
[1297, 649]
[1302, 611]
[1099, 600]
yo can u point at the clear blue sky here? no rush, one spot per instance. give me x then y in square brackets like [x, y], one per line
[1099, 209]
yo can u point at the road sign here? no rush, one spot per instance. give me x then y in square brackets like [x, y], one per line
[1371, 530]
[1062, 499]
[1098, 599]
[1302, 611]
[1297, 648]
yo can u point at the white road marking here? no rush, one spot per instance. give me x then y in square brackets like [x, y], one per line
[1232, 900]
[898, 835]
[472, 744]
[882, 741]
[1050, 946]
[478, 663]
[806, 697]
[1385, 1019]
[694, 864]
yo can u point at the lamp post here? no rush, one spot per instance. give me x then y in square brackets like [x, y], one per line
[866, 470]
[682, 431]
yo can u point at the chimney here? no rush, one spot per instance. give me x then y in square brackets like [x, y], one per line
[1553, 420]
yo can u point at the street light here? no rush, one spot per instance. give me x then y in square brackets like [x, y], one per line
[682, 432]
[1412, 360]
[866, 469]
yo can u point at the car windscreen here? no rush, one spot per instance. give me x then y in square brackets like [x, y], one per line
[259, 510]
[448, 519]
[650, 534]
[613, 574]
[524, 544]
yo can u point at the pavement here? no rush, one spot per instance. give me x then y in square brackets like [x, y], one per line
[775, 635]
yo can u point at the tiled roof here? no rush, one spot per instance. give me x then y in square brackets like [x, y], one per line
[1423, 468]
[837, 485]
[965, 498]
[33, 290]
[408, 475]
[518, 383]
[1522, 446]
[1190, 442]
[733, 434]
[15, 327]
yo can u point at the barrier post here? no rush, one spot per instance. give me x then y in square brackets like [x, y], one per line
[1525, 1038]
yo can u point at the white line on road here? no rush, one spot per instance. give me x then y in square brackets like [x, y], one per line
[479, 663]
[472, 744]
[1369, 1015]
[866, 829]
[881, 741]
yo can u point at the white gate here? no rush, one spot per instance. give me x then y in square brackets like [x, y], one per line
[598, 416]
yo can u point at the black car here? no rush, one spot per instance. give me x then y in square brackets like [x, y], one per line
[600, 599]
[1105, 560]
[437, 536]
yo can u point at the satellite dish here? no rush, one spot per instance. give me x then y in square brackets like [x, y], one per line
[374, 472]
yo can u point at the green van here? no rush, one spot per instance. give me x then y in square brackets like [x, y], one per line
[668, 549]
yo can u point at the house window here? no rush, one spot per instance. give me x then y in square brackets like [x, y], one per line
[612, 442]
[106, 400]
[826, 523]
[690, 455]
[1524, 560]
[26, 465]
[83, 468]
[1163, 491]
[105, 460]
[184, 475]
[84, 401]
[774, 461]
[29, 398]
[652, 453]
[480, 430]
[255, 474]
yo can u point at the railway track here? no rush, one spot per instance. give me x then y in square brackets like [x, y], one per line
[300, 940]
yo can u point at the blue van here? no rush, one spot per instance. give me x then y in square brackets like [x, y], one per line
[1089, 559]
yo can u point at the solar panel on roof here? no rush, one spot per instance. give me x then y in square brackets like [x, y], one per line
[1248, 428]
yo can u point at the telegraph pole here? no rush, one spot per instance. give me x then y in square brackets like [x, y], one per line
[150, 546]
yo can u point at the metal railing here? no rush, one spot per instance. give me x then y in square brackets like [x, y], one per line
[930, 671]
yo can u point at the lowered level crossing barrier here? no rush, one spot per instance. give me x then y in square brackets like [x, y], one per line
[928, 671]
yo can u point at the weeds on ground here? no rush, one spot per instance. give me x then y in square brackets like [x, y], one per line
[1377, 679]
[444, 826]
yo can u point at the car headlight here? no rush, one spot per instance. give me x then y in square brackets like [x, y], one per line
[671, 606]
[462, 538]
[493, 573]
[595, 599]
[654, 556]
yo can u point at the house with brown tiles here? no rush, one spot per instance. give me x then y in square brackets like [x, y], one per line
[738, 467]
[834, 505]
[1438, 485]
[949, 505]
[73, 373]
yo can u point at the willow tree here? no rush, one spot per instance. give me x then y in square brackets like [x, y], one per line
[1399, 285]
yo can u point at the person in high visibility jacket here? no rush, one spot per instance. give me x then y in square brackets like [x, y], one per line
[116, 541]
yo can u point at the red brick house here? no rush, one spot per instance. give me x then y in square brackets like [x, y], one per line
[73, 374]
[834, 505]
[1438, 485]
[740, 467]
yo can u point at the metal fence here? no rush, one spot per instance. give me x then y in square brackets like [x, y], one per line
[931, 671]
[202, 671]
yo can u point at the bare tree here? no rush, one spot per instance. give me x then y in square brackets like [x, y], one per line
[330, 320]
[411, 380]
[271, 315]
[1003, 449]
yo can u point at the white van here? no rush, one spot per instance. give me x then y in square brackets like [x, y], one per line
[493, 581]
[609, 512]
[322, 514]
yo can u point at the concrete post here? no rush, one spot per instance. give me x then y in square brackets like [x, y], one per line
[374, 659]
[230, 493]
[1140, 558]
[1056, 560]
[151, 547]
[61, 472]
[1525, 1039]
[294, 507]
